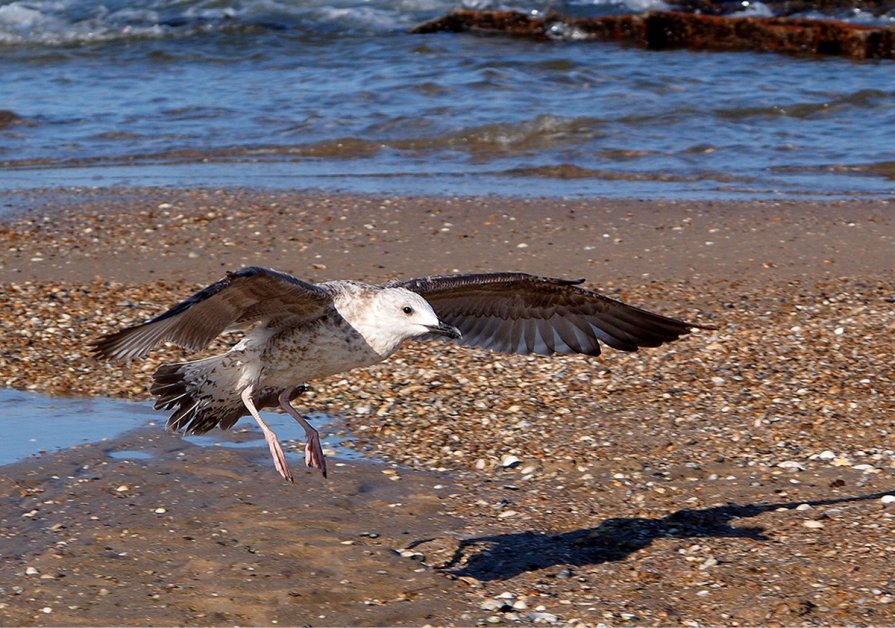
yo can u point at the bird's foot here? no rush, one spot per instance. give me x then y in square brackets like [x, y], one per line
[279, 458]
[314, 457]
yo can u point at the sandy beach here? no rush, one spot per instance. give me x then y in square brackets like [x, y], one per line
[739, 476]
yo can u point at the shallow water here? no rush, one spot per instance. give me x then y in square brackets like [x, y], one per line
[337, 95]
[34, 424]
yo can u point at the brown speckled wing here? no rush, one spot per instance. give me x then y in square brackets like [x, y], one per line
[521, 313]
[242, 297]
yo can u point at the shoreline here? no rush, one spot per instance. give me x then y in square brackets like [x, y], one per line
[736, 475]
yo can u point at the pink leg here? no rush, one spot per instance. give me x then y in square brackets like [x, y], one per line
[313, 449]
[276, 452]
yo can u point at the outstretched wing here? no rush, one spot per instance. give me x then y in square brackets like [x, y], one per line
[242, 297]
[521, 313]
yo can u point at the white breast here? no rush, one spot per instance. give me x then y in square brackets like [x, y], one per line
[304, 353]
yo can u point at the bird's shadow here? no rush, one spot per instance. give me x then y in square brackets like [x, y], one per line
[503, 556]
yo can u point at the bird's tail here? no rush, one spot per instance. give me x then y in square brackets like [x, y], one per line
[201, 392]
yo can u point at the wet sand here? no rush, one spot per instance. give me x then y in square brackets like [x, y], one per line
[737, 476]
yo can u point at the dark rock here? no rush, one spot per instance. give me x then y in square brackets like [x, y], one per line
[785, 8]
[8, 118]
[667, 30]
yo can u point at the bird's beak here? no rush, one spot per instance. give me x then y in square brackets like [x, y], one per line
[443, 329]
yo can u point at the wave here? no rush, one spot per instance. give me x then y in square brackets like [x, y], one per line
[871, 99]
[479, 143]
[65, 22]
[73, 22]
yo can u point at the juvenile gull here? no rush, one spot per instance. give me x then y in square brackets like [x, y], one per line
[305, 331]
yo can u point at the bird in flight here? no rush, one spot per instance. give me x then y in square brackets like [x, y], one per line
[301, 331]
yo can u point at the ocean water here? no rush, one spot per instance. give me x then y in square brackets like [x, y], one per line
[34, 424]
[337, 95]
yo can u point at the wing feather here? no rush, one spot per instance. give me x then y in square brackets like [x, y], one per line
[521, 313]
[530, 338]
[545, 332]
[577, 343]
[242, 297]
[514, 342]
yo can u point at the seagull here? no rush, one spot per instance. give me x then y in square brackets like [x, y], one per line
[299, 331]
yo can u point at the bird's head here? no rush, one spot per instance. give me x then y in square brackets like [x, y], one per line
[408, 315]
[386, 317]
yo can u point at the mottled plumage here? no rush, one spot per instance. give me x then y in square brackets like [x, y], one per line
[305, 331]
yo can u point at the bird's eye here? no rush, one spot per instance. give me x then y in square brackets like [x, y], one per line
[407, 310]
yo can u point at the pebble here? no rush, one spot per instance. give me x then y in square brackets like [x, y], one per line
[411, 554]
[31, 571]
[887, 499]
[539, 617]
[814, 524]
